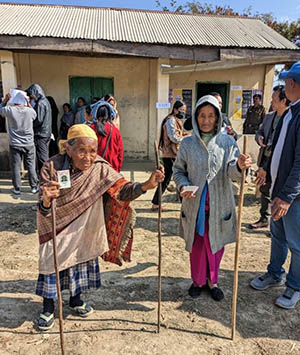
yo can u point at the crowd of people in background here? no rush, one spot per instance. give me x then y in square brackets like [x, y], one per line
[32, 119]
[209, 159]
[200, 152]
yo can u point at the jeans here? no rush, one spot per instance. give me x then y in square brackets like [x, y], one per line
[285, 236]
[168, 165]
[16, 154]
[42, 150]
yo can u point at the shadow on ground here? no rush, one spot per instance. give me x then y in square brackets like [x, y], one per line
[124, 289]
[14, 219]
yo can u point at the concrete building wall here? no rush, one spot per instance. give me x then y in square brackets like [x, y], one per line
[8, 80]
[251, 77]
[131, 88]
[138, 85]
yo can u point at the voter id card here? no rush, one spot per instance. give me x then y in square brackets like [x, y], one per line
[192, 189]
[64, 179]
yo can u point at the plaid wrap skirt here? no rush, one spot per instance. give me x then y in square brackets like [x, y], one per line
[76, 279]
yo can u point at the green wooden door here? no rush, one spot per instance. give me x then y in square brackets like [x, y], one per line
[102, 87]
[80, 86]
[204, 88]
[89, 87]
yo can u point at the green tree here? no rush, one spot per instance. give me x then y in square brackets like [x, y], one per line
[172, 6]
[290, 30]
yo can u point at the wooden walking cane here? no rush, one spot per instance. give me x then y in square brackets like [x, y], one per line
[159, 238]
[53, 216]
[237, 246]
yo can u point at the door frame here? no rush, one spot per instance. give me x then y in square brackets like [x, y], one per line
[91, 85]
[226, 83]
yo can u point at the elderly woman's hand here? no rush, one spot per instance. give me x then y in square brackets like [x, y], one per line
[50, 190]
[156, 177]
[187, 194]
[244, 161]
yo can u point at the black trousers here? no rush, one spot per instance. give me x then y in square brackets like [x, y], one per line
[168, 165]
[16, 156]
[265, 200]
[42, 150]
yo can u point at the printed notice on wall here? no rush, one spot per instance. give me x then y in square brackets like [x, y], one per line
[247, 101]
[237, 103]
[185, 95]
[163, 105]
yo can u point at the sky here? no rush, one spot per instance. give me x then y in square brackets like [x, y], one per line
[282, 10]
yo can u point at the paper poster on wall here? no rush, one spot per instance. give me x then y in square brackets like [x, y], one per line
[163, 105]
[247, 101]
[185, 95]
[237, 103]
[235, 87]
[177, 95]
[171, 97]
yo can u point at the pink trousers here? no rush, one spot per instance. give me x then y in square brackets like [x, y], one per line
[204, 264]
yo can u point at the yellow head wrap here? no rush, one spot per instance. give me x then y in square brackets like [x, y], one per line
[77, 131]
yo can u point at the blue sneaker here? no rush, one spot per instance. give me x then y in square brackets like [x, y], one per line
[288, 299]
[265, 281]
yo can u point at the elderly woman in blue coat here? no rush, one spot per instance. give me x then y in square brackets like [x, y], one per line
[207, 161]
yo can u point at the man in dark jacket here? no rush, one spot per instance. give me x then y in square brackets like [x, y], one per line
[42, 123]
[264, 138]
[284, 170]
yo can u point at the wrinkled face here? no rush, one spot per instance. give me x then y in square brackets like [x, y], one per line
[207, 119]
[66, 108]
[276, 103]
[83, 152]
[80, 102]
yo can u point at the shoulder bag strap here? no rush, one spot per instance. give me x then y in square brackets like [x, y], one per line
[108, 140]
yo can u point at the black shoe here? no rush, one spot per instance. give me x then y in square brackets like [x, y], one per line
[216, 294]
[195, 291]
[262, 223]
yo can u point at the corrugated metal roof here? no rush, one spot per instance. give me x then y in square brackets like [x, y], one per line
[123, 25]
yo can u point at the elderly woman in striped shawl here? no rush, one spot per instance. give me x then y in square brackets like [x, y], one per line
[93, 219]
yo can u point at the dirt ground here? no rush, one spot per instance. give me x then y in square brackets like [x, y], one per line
[124, 321]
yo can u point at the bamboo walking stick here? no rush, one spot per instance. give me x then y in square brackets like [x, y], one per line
[53, 216]
[237, 246]
[159, 239]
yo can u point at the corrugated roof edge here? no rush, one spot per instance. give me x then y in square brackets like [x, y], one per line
[126, 9]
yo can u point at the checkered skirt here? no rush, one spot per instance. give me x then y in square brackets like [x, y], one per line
[76, 279]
